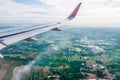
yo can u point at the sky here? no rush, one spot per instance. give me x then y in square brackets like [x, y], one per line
[93, 13]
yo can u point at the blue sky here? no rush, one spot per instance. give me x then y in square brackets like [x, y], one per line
[32, 2]
[92, 13]
[35, 3]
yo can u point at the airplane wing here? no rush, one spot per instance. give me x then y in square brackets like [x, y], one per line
[12, 35]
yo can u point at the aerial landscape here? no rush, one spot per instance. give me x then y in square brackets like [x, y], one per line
[71, 54]
[59, 40]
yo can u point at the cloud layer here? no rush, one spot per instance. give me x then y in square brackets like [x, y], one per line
[92, 13]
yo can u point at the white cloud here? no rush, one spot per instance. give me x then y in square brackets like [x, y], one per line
[92, 13]
[96, 49]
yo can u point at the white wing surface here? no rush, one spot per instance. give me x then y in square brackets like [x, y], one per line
[12, 35]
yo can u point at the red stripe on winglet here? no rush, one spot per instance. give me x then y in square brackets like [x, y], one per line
[76, 10]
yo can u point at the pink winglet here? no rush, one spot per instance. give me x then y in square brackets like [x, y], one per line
[74, 13]
[76, 10]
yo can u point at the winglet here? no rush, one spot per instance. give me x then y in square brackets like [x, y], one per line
[74, 13]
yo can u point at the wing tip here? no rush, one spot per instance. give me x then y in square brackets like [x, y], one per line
[75, 11]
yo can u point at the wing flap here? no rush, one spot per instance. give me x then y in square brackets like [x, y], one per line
[56, 29]
[32, 39]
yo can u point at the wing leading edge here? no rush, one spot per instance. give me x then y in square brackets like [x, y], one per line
[12, 35]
